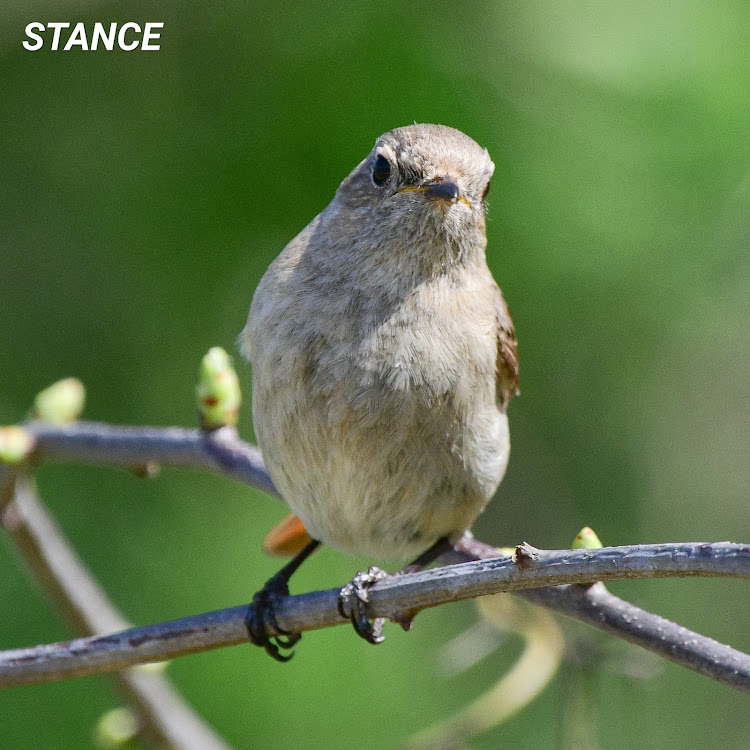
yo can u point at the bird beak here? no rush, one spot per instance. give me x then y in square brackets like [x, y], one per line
[441, 189]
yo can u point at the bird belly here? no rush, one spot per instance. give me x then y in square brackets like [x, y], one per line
[379, 469]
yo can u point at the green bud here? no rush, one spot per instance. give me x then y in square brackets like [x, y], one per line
[61, 402]
[218, 391]
[115, 728]
[15, 444]
[587, 539]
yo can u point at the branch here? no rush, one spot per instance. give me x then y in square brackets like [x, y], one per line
[596, 606]
[392, 597]
[222, 451]
[163, 715]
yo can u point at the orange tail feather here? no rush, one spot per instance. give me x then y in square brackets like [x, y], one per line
[286, 538]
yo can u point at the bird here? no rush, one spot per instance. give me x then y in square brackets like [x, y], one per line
[383, 361]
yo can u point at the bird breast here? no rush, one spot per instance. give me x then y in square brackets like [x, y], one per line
[381, 430]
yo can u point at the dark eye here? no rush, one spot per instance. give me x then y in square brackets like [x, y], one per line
[486, 190]
[381, 170]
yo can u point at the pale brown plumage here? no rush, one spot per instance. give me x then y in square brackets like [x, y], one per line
[384, 355]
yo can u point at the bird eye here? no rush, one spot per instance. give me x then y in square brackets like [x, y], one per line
[486, 190]
[381, 170]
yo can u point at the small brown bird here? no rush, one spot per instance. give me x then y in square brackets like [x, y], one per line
[384, 358]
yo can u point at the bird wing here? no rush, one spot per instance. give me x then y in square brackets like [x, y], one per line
[507, 354]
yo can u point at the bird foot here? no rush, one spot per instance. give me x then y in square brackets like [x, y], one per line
[353, 601]
[261, 613]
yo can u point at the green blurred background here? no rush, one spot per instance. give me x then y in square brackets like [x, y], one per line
[143, 194]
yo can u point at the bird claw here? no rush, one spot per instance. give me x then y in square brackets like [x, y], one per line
[353, 601]
[261, 612]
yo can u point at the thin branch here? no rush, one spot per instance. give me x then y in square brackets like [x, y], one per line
[596, 606]
[224, 452]
[393, 596]
[55, 564]
[221, 451]
[163, 715]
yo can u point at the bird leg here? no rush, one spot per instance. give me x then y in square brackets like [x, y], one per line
[354, 600]
[261, 612]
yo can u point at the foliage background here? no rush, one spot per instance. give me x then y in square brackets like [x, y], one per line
[142, 195]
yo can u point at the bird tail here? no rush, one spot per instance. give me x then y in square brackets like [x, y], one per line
[286, 538]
